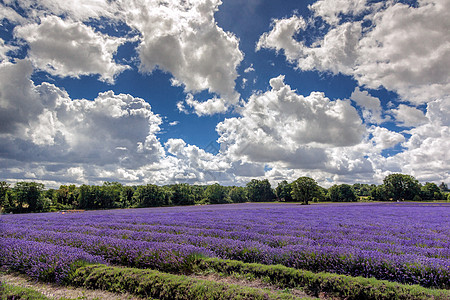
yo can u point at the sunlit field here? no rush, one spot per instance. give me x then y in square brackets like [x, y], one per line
[399, 242]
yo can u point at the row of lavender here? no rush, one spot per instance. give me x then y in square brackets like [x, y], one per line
[408, 243]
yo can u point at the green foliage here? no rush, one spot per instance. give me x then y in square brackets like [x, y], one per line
[238, 195]
[304, 189]
[444, 187]
[182, 194]
[363, 190]
[216, 194]
[342, 193]
[126, 197]
[333, 285]
[260, 191]
[11, 292]
[66, 195]
[155, 284]
[4, 203]
[27, 197]
[401, 187]
[284, 191]
[379, 193]
[151, 195]
[430, 191]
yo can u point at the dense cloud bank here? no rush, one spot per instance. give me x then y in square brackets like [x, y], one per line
[277, 133]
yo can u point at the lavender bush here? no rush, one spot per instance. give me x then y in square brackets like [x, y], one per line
[42, 261]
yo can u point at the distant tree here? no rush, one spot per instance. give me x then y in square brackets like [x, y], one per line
[111, 192]
[67, 195]
[304, 189]
[4, 203]
[443, 187]
[379, 193]
[342, 193]
[430, 191]
[284, 191]
[401, 187]
[151, 195]
[182, 194]
[85, 198]
[198, 193]
[216, 194]
[29, 196]
[126, 197]
[260, 191]
[238, 195]
[362, 189]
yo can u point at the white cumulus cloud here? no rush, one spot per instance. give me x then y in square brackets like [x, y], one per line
[66, 48]
[408, 116]
[281, 125]
[406, 49]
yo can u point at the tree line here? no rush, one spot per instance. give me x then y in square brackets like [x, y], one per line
[26, 197]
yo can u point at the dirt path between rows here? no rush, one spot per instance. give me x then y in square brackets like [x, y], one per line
[56, 291]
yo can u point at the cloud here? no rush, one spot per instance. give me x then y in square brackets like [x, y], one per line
[406, 49]
[42, 125]
[10, 14]
[383, 138]
[249, 69]
[332, 10]
[283, 126]
[80, 10]
[181, 38]
[70, 49]
[18, 99]
[184, 39]
[408, 116]
[209, 107]
[371, 106]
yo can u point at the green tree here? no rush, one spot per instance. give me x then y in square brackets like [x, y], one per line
[443, 187]
[151, 195]
[401, 186]
[363, 189]
[85, 197]
[111, 192]
[430, 191]
[238, 195]
[216, 194]
[126, 197]
[198, 193]
[379, 193]
[182, 194]
[284, 191]
[342, 193]
[304, 189]
[29, 196]
[4, 203]
[260, 191]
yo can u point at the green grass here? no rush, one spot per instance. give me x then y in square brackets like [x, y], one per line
[331, 284]
[8, 291]
[155, 284]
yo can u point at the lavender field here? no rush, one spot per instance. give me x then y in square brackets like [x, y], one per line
[401, 242]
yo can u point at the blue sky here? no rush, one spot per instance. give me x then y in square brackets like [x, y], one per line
[208, 91]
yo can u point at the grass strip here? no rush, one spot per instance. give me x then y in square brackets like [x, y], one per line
[155, 284]
[8, 292]
[330, 284]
